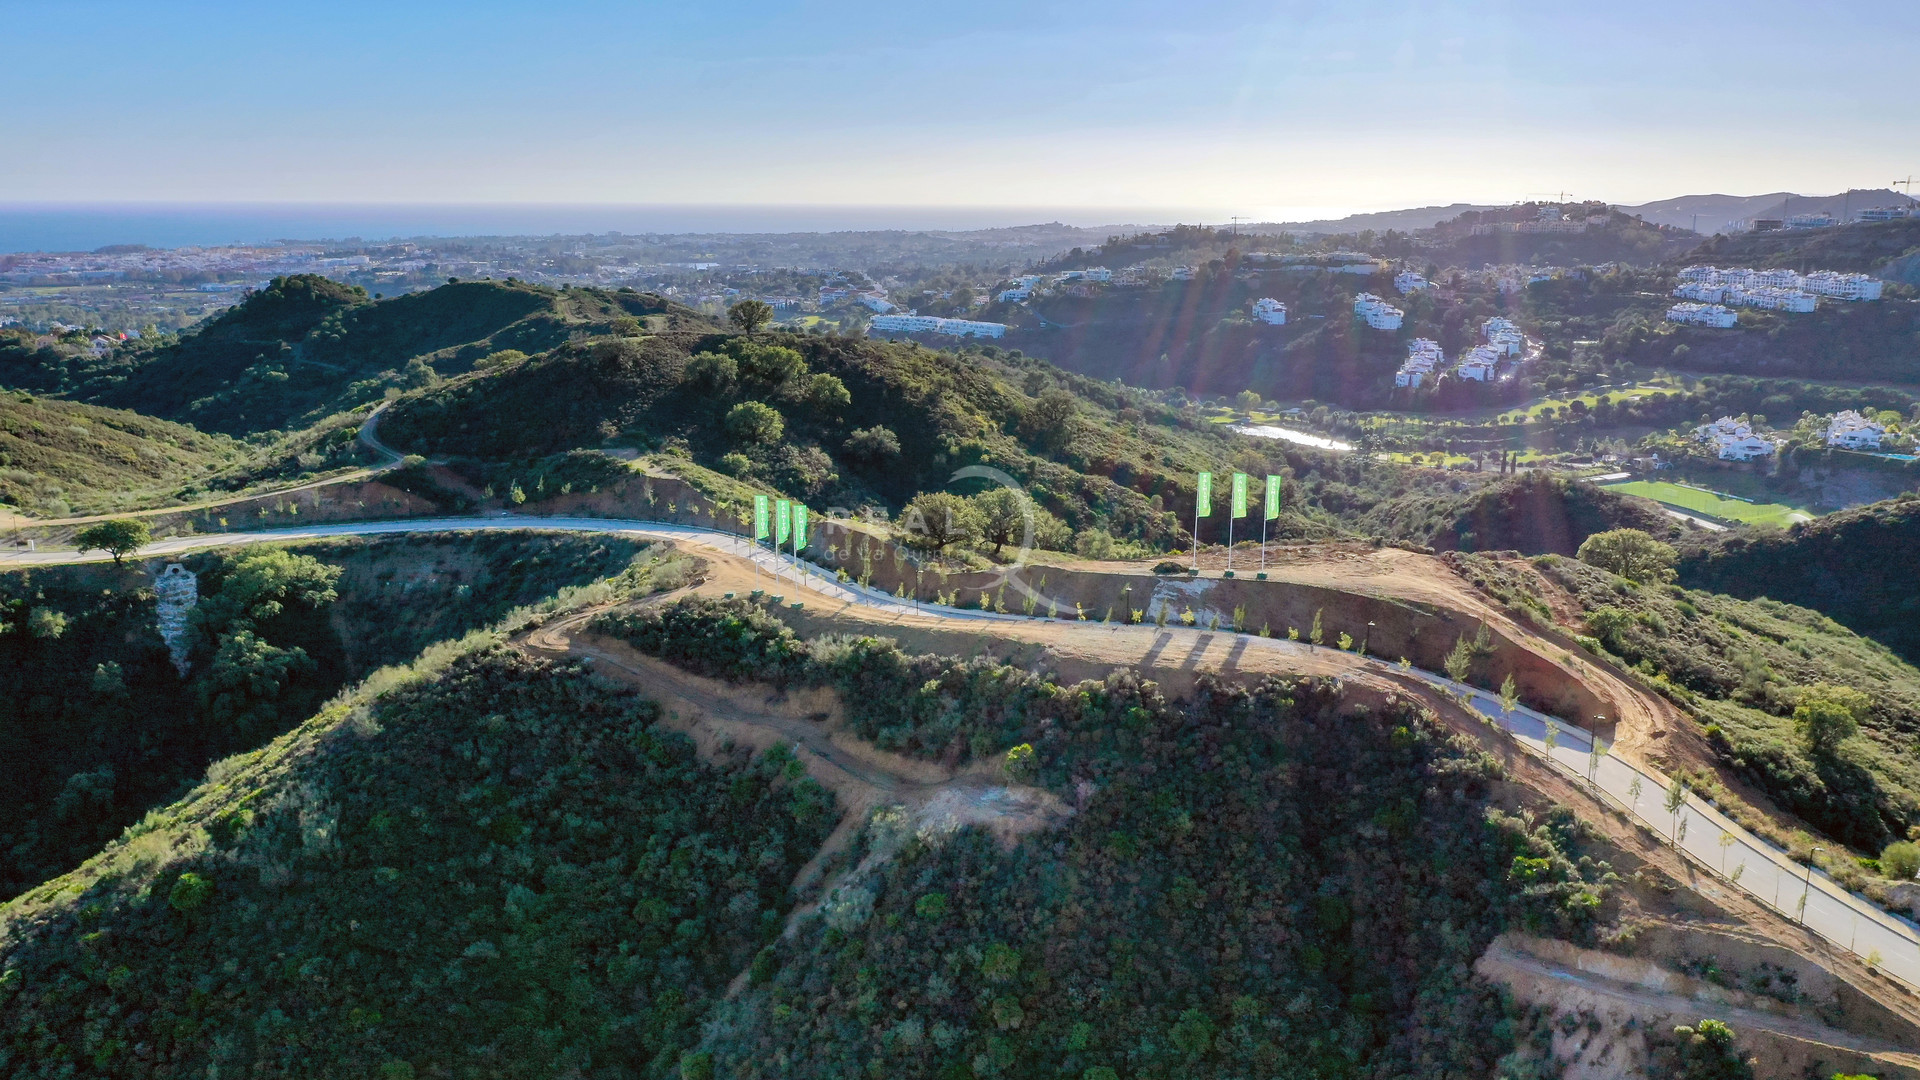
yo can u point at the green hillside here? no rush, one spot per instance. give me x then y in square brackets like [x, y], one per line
[1532, 512]
[1854, 566]
[498, 866]
[61, 457]
[1862, 248]
[305, 346]
[99, 727]
[839, 421]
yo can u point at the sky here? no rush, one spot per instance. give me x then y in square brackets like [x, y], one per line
[1172, 110]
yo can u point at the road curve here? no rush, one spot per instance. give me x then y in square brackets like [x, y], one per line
[1736, 858]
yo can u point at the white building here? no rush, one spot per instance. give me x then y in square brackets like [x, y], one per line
[1733, 440]
[1181, 273]
[1379, 314]
[1270, 311]
[1851, 431]
[1095, 273]
[1423, 355]
[929, 324]
[1841, 286]
[1503, 335]
[1409, 282]
[1479, 363]
[1706, 292]
[875, 301]
[1703, 315]
[1771, 298]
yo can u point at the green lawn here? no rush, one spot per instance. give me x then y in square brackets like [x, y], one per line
[1705, 502]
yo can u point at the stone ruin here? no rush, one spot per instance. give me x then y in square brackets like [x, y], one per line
[178, 590]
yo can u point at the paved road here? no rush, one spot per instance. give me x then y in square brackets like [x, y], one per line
[1732, 857]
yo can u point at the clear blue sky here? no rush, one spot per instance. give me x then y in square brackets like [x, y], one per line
[1265, 109]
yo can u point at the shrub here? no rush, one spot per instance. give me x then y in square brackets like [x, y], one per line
[1900, 860]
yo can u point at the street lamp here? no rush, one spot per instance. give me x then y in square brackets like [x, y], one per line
[1808, 887]
[1365, 641]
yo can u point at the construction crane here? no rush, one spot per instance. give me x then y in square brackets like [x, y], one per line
[1907, 183]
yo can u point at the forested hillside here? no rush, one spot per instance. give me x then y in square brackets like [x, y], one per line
[1532, 512]
[836, 421]
[1855, 566]
[306, 346]
[99, 725]
[506, 868]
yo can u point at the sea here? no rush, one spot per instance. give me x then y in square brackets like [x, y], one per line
[28, 227]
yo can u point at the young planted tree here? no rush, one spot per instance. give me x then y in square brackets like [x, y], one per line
[119, 538]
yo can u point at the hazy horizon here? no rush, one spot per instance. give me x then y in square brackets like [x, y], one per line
[1223, 107]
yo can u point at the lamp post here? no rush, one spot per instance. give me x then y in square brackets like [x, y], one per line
[1367, 640]
[1807, 888]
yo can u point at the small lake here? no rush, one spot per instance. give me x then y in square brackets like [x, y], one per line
[1267, 431]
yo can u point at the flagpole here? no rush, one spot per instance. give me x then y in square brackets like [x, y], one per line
[1196, 538]
[1229, 539]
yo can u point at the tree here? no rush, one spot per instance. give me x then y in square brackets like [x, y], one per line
[939, 518]
[750, 315]
[1676, 799]
[713, 371]
[1827, 715]
[1901, 860]
[1705, 1051]
[827, 395]
[1003, 514]
[755, 422]
[1248, 400]
[774, 366]
[875, 445]
[1049, 421]
[119, 538]
[1630, 553]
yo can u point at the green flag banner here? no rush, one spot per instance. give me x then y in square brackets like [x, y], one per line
[1239, 494]
[799, 527]
[759, 517]
[782, 521]
[1203, 496]
[1274, 486]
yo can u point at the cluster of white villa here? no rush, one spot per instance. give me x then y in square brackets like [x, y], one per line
[1409, 282]
[1734, 440]
[1503, 336]
[1423, 355]
[1702, 315]
[1022, 288]
[1849, 430]
[1774, 289]
[1270, 311]
[930, 324]
[1379, 314]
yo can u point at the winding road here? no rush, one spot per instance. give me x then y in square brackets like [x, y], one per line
[1733, 858]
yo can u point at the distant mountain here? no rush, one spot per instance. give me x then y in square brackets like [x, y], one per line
[1723, 213]
[1425, 217]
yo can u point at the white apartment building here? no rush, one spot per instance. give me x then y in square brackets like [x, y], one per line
[1705, 292]
[1095, 273]
[1379, 314]
[1703, 315]
[875, 302]
[1771, 298]
[1408, 282]
[930, 324]
[1733, 440]
[1479, 363]
[1503, 336]
[1423, 355]
[1270, 311]
[1841, 286]
[1851, 431]
[1181, 273]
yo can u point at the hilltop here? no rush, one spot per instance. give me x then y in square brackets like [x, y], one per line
[305, 347]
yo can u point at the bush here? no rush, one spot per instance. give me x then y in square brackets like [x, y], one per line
[1900, 860]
